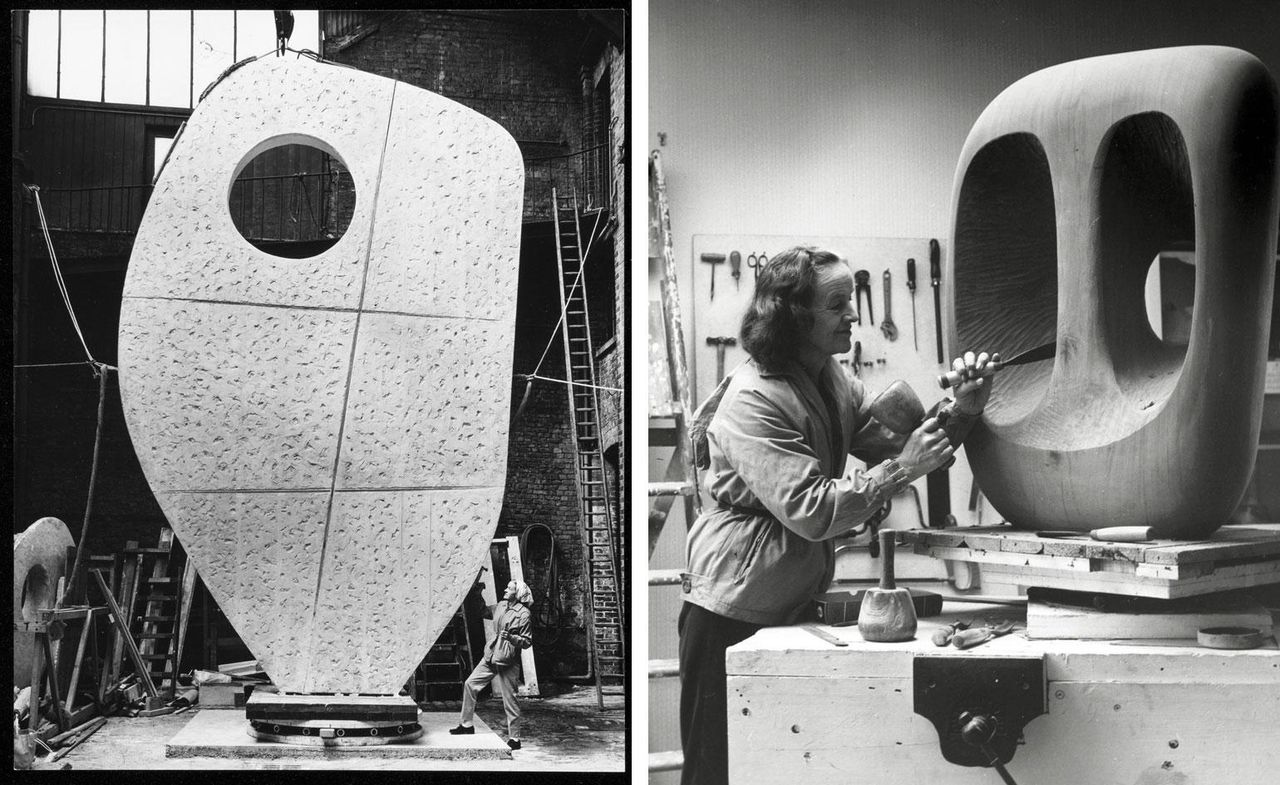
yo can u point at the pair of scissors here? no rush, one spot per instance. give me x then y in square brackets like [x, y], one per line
[756, 262]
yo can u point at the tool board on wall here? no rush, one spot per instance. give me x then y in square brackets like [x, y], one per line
[911, 355]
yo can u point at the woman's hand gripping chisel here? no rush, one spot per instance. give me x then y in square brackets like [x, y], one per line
[953, 378]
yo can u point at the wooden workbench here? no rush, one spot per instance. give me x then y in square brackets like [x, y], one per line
[803, 710]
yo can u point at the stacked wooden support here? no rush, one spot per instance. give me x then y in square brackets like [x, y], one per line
[1233, 557]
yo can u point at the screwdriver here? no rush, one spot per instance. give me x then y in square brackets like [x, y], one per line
[911, 284]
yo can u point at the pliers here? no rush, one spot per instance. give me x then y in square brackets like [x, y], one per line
[861, 284]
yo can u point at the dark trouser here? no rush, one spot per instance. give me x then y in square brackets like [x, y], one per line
[704, 636]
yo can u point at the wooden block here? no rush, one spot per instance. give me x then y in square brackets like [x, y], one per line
[214, 696]
[1059, 614]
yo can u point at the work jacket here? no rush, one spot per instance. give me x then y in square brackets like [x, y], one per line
[513, 617]
[775, 468]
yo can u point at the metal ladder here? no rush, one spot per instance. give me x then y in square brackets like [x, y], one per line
[604, 604]
[668, 422]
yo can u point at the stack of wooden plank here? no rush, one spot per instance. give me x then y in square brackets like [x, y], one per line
[1233, 557]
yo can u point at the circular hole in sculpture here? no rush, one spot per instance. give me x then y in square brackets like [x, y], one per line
[292, 197]
[36, 593]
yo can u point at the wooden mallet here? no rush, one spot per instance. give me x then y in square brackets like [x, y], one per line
[887, 614]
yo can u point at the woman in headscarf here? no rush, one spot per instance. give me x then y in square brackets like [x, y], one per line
[774, 440]
[501, 661]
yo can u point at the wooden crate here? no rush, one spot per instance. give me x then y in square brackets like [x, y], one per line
[802, 710]
[1234, 557]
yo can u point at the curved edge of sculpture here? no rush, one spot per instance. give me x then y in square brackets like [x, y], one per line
[1071, 182]
[328, 435]
[39, 561]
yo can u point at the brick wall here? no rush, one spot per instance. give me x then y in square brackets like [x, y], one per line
[520, 71]
[515, 68]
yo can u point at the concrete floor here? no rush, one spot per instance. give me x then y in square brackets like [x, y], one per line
[564, 732]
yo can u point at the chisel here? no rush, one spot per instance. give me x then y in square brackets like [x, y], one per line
[911, 284]
[1106, 534]
[1045, 351]
[935, 276]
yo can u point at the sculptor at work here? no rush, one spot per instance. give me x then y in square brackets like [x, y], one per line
[778, 433]
[501, 662]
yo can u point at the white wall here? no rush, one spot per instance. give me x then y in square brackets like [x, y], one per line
[846, 117]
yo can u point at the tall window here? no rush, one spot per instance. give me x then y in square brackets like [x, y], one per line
[148, 58]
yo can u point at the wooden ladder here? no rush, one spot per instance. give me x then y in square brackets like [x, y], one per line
[160, 593]
[605, 632]
[670, 413]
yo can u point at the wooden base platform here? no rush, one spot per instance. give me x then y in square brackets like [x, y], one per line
[225, 734]
[1234, 557]
[803, 710]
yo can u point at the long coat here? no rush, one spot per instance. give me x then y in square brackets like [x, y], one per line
[776, 453]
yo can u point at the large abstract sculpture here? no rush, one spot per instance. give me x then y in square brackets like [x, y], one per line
[328, 435]
[1071, 183]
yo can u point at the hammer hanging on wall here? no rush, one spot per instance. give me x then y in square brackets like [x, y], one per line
[713, 259]
[721, 343]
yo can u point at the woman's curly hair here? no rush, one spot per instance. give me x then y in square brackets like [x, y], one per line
[781, 309]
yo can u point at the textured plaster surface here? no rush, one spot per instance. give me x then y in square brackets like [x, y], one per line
[248, 395]
[187, 218]
[466, 242]
[43, 544]
[423, 403]
[328, 435]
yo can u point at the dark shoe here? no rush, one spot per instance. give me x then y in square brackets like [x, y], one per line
[513, 744]
[462, 730]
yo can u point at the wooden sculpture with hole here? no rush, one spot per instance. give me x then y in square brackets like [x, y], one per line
[328, 435]
[1071, 184]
